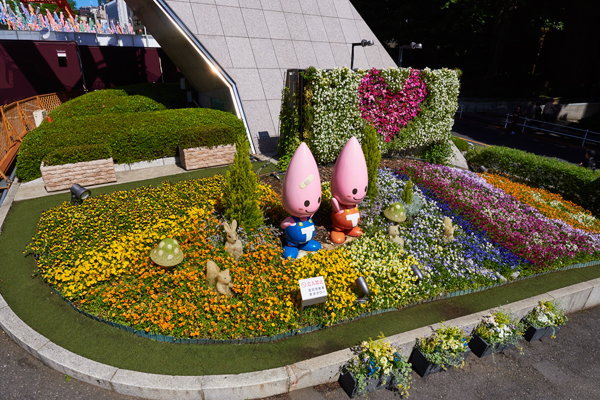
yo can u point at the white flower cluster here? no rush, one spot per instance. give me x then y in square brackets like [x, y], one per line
[337, 117]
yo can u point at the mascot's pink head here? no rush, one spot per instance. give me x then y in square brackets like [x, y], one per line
[350, 177]
[302, 184]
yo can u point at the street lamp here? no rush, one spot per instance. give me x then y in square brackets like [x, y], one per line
[411, 46]
[362, 43]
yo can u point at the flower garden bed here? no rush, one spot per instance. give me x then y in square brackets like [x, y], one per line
[97, 256]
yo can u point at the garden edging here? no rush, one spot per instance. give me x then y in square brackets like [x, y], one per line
[307, 373]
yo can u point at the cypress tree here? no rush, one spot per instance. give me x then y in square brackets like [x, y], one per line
[240, 194]
[372, 157]
[407, 193]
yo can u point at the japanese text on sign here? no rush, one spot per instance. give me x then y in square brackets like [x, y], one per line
[313, 289]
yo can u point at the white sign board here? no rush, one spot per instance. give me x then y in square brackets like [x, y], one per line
[313, 291]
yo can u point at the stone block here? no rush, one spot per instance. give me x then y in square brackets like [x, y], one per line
[594, 297]
[572, 298]
[61, 177]
[252, 385]
[318, 370]
[21, 333]
[203, 157]
[78, 367]
[146, 164]
[153, 386]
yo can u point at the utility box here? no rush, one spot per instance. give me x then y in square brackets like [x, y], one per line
[39, 116]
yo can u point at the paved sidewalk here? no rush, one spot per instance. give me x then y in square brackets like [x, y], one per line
[567, 367]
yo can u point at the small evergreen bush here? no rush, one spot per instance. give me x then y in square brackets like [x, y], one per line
[577, 184]
[240, 195]
[438, 152]
[460, 143]
[407, 193]
[75, 154]
[373, 158]
[108, 101]
[138, 137]
[289, 135]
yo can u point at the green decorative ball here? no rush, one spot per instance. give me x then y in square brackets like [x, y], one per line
[167, 253]
[395, 212]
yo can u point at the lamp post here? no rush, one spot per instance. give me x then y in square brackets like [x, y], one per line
[362, 43]
[411, 46]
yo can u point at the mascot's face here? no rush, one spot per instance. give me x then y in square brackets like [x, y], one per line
[350, 176]
[302, 184]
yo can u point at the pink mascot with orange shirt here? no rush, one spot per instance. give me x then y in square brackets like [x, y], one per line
[349, 184]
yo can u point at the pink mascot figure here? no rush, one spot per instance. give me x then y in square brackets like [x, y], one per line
[301, 198]
[348, 188]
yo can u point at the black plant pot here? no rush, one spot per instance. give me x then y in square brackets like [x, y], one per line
[424, 367]
[481, 348]
[532, 333]
[350, 385]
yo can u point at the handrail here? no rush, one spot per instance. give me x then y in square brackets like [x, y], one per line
[542, 125]
[16, 120]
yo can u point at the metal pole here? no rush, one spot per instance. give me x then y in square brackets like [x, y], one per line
[352, 59]
[506, 122]
[524, 124]
[400, 58]
[585, 137]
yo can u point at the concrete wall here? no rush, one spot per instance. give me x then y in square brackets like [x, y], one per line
[256, 41]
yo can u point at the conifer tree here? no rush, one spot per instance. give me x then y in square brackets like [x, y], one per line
[372, 156]
[240, 195]
[407, 193]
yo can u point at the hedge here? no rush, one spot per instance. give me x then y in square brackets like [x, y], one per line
[572, 182]
[75, 154]
[101, 102]
[338, 102]
[132, 137]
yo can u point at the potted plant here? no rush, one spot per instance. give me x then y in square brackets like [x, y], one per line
[544, 320]
[446, 347]
[377, 364]
[495, 333]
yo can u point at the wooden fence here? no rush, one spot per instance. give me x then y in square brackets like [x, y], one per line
[16, 119]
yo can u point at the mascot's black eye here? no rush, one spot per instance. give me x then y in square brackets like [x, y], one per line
[306, 203]
[354, 191]
[319, 201]
[366, 188]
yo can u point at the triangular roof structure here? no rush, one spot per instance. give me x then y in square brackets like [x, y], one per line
[235, 53]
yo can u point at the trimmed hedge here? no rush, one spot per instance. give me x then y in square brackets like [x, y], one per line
[206, 136]
[132, 137]
[108, 101]
[75, 154]
[169, 95]
[460, 143]
[577, 184]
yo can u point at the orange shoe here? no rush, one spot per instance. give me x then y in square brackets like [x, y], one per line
[356, 232]
[337, 237]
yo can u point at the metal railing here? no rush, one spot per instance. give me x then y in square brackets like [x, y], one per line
[557, 129]
[16, 120]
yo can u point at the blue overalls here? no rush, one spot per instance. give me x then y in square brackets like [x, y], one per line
[299, 237]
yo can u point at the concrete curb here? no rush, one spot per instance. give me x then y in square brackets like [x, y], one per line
[303, 374]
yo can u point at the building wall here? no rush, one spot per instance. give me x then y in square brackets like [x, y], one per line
[256, 41]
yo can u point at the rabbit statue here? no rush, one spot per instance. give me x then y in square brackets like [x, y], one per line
[233, 245]
[224, 284]
[448, 230]
[221, 280]
[394, 236]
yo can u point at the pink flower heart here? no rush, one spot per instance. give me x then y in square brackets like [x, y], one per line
[389, 111]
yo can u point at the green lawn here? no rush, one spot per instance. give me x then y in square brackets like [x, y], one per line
[35, 303]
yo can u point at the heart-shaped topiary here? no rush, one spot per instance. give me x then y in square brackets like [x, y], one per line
[386, 110]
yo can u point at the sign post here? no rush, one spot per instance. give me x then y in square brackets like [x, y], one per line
[313, 291]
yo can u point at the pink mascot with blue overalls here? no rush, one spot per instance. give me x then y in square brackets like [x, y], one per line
[301, 198]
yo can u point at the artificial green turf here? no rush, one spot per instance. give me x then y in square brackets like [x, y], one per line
[34, 302]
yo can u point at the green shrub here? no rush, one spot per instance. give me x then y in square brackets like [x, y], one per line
[289, 134]
[574, 183]
[460, 143]
[373, 158]
[438, 152]
[407, 193]
[138, 137]
[240, 194]
[169, 95]
[207, 136]
[101, 102]
[75, 154]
